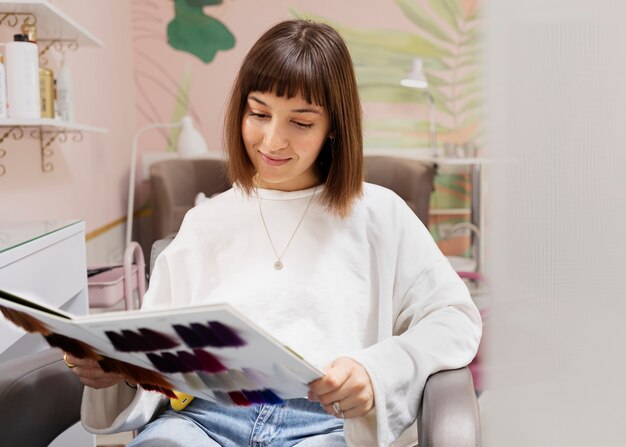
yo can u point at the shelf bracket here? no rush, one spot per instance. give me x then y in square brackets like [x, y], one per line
[13, 18]
[17, 133]
[47, 137]
[60, 45]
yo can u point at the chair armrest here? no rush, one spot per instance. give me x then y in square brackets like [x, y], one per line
[39, 398]
[157, 247]
[449, 414]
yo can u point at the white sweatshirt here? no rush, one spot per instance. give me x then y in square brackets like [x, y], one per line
[373, 287]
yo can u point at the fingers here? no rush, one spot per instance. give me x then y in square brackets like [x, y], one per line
[75, 361]
[90, 373]
[345, 391]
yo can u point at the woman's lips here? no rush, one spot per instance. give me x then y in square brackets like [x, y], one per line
[273, 161]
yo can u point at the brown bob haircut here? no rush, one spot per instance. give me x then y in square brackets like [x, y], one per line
[311, 59]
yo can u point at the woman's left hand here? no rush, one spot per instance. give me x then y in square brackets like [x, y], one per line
[346, 385]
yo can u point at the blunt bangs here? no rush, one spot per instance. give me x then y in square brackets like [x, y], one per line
[287, 70]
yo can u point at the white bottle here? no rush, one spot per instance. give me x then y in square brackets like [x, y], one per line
[3, 90]
[65, 93]
[22, 72]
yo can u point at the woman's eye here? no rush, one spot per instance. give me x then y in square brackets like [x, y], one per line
[303, 125]
[258, 115]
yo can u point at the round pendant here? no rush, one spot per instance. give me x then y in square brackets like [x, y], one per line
[278, 265]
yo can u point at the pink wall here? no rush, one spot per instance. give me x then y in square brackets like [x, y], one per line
[89, 180]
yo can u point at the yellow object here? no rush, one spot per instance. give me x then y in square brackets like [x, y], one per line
[46, 92]
[181, 401]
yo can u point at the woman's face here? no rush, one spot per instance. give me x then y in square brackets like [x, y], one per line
[283, 138]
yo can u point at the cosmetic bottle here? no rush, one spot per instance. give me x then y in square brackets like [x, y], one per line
[22, 70]
[46, 92]
[65, 93]
[30, 31]
[3, 90]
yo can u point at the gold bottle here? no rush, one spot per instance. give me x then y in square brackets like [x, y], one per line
[31, 32]
[46, 92]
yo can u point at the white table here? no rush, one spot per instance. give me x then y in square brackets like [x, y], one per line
[44, 260]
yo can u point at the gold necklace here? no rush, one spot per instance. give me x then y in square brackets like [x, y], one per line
[278, 265]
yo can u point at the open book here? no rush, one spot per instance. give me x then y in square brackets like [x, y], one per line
[211, 351]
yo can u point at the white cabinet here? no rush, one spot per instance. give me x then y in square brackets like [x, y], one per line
[45, 260]
[55, 30]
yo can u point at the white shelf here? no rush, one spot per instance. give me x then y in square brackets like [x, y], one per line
[51, 123]
[52, 23]
[426, 155]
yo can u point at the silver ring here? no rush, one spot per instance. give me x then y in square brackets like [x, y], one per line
[337, 409]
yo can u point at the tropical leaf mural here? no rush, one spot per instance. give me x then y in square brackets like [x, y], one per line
[446, 38]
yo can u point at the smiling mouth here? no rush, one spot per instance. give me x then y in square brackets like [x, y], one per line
[273, 161]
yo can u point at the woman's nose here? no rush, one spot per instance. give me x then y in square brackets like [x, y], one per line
[275, 138]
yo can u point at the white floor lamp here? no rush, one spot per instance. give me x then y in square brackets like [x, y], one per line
[190, 144]
[417, 79]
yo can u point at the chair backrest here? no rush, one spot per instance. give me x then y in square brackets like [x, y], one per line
[411, 179]
[175, 185]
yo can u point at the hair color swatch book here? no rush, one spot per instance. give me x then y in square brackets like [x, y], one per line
[212, 351]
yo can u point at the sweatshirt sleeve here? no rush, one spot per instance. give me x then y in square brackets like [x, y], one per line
[435, 327]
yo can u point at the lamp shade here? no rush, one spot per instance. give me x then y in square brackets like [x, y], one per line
[190, 141]
[416, 77]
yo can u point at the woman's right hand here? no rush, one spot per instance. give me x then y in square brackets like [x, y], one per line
[90, 373]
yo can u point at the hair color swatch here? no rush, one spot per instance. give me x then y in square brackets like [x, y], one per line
[25, 321]
[75, 347]
[184, 362]
[143, 340]
[214, 334]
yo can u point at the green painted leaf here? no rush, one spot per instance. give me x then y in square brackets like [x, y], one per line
[395, 142]
[436, 81]
[472, 38]
[473, 118]
[472, 104]
[419, 124]
[442, 102]
[466, 61]
[194, 32]
[471, 89]
[436, 64]
[470, 78]
[202, 3]
[181, 107]
[418, 16]
[379, 75]
[474, 51]
[395, 94]
[365, 55]
[455, 7]
[391, 40]
[445, 12]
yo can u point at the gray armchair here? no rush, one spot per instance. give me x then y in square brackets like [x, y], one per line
[40, 398]
[412, 180]
[174, 185]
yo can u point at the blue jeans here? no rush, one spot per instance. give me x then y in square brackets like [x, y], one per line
[202, 423]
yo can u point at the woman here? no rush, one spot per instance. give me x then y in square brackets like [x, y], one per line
[342, 271]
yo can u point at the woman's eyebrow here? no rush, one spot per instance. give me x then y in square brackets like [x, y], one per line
[303, 110]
